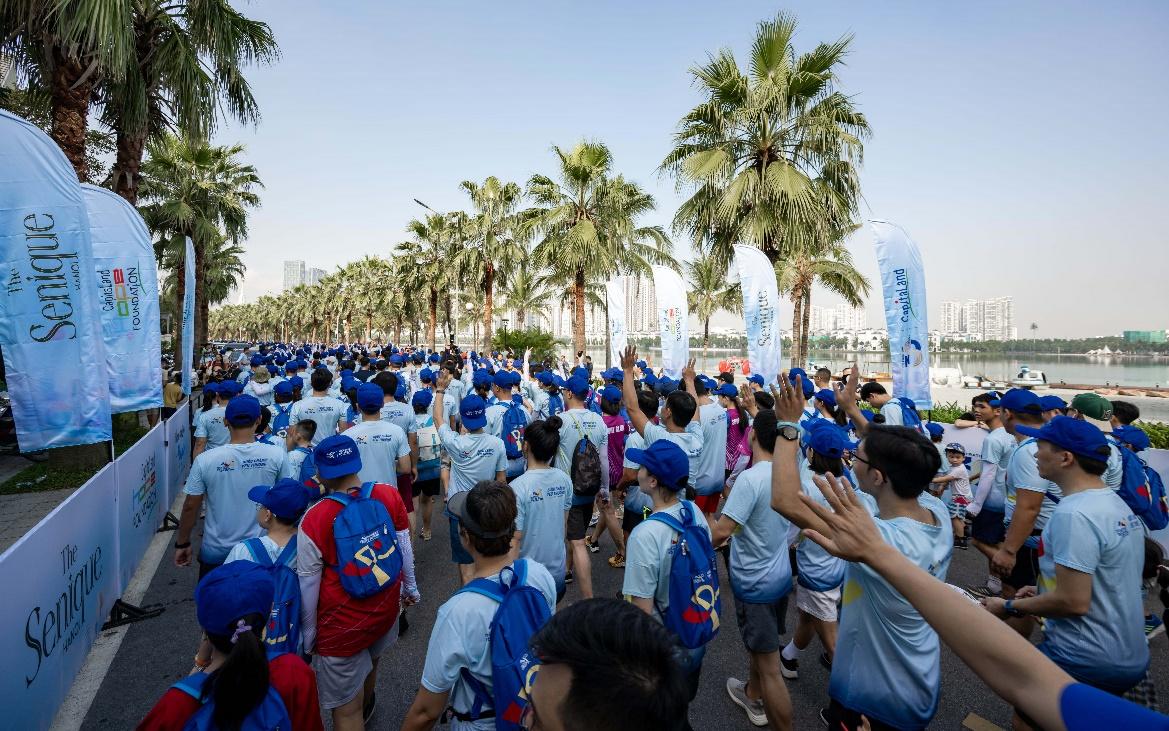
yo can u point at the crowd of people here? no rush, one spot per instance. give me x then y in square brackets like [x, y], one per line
[318, 470]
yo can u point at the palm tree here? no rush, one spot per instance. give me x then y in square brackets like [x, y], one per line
[63, 47]
[186, 68]
[528, 290]
[493, 248]
[429, 251]
[587, 221]
[710, 292]
[191, 188]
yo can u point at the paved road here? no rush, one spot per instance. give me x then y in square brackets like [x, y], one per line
[158, 651]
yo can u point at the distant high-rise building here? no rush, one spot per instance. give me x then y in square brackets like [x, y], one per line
[821, 318]
[951, 317]
[850, 318]
[314, 276]
[973, 313]
[641, 305]
[999, 319]
[293, 274]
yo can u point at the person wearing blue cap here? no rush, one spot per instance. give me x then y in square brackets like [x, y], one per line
[396, 411]
[676, 417]
[617, 422]
[711, 475]
[328, 412]
[954, 481]
[1052, 406]
[219, 480]
[474, 456]
[430, 456]
[210, 431]
[346, 633]
[663, 477]
[385, 452]
[507, 417]
[549, 402]
[240, 684]
[761, 580]
[990, 495]
[1089, 586]
[756, 382]
[809, 389]
[881, 635]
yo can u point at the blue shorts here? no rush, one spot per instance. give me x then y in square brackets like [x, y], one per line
[458, 553]
[987, 527]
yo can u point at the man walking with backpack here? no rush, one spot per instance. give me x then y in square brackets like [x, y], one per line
[583, 455]
[470, 677]
[507, 419]
[352, 586]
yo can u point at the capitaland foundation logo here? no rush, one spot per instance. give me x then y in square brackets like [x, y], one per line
[911, 353]
[226, 465]
[902, 300]
[671, 324]
[146, 495]
[120, 299]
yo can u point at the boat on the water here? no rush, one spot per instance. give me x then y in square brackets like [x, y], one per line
[1029, 379]
[983, 383]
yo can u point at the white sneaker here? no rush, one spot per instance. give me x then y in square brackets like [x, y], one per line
[737, 690]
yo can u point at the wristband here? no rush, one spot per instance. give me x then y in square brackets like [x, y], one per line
[181, 546]
[1009, 608]
[441, 391]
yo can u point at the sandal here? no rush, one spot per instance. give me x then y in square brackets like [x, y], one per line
[617, 561]
[591, 545]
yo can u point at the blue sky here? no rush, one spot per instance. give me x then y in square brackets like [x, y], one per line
[1021, 144]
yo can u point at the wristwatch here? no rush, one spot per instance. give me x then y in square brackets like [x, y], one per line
[788, 431]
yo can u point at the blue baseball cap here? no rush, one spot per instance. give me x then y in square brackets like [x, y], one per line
[297, 382]
[284, 388]
[232, 591]
[286, 499]
[1133, 436]
[370, 397]
[290, 367]
[272, 370]
[481, 378]
[211, 387]
[1020, 400]
[826, 395]
[545, 378]
[473, 411]
[232, 388]
[641, 364]
[558, 381]
[397, 359]
[613, 374]
[756, 379]
[650, 379]
[435, 358]
[826, 440]
[665, 461]
[502, 379]
[935, 429]
[257, 360]
[1052, 402]
[426, 375]
[580, 371]
[337, 456]
[242, 411]
[611, 393]
[1073, 435]
[577, 386]
[422, 398]
[808, 385]
[727, 389]
[666, 385]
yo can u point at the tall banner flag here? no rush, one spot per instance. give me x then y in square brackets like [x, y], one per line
[188, 344]
[903, 284]
[756, 277]
[673, 320]
[127, 294]
[615, 303]
[50, 329]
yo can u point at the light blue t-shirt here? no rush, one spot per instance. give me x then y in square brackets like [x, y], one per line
[450, 409]
[712, 459]
[209, 425]
[401, 414]
[326, 411]
[650, 554]
[474, 457]
[997, 449]
[460, 639]
[1114, 473]
[690, 441]
[542, 497]
[1095, 532]
[380, 444]
[290, 467]
[1023, 474]
[580, 424]
[892, 413]
[635, 499]
[761, 571]
[494, 414]
[818, 569]
[224, 476]
[883, 642]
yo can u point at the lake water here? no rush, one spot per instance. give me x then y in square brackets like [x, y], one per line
[1079, 369]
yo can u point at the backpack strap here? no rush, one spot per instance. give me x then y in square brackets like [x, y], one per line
[287, 555]
[669, 520]
[192, 685]
[259, 551]
[366, 490]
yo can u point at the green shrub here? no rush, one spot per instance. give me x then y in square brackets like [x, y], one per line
[944, 413]
[541, 342]
[1158, 433]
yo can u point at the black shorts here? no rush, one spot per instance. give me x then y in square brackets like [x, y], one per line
[987, 527]
[429, 488]
[631, 519]
[760, 625]
[578, 521]
[1026, 568]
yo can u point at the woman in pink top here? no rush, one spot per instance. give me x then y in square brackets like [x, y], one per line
[737, 425]
[618, 433]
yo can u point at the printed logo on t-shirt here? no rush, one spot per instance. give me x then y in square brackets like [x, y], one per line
[226, 465]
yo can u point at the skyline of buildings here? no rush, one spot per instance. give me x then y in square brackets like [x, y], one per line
[296, 274]
[974, 320]
[840, 317]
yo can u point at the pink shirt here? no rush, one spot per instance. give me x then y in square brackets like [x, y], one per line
[737, 442]
[618, 433]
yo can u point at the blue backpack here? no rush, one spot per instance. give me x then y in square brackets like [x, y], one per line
[282, 633]
[514, 423]
[279, 423]
[693, 614]
[909, 415]
[270, 715]
[308, 468]
[555, 404]
[368, 559]
[1142, 490]
[523, 610]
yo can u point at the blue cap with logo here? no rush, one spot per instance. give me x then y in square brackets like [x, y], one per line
[1020, 400]
[242, 411]
[1073, 435]
[473, 411]
[286, 499]
[577, 385]
[337, 456]
[230, 592]
[1133, 436]
[665, 461]
[422, 398]
[370, 398]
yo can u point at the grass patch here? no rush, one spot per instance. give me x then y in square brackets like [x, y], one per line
[45, 476]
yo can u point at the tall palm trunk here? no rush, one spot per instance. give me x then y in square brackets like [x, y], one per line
[69, 96]
[201, 305]
[521, 319]
[128, 165]
[398, 332]
[368, 327]
[608, 338]
[797, 298]
[432, 321]
[705, 341]
[578, 301]
[805, 322]
[488, 304]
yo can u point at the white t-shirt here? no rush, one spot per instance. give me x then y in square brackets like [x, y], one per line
[380, 444]
[224, 476]
[326, 411]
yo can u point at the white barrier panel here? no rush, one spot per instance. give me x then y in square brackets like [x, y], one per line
[60, 581]
[139, 500]
[178, 451]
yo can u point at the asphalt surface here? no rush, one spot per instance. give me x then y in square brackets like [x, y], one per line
[157, 652]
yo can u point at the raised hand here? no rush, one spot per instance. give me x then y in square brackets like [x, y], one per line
[629, 358]
[442, 380]
[789, 399]
[854, 534]
[688, 373]
[747, 400]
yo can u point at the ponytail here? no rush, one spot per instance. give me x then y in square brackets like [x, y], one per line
[241, 683]
[741, 411]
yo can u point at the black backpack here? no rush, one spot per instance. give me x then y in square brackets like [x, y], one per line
[586, 465]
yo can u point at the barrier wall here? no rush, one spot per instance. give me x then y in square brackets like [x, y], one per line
[61, 579]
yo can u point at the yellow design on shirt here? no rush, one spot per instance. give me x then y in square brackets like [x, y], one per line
[852, 592]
